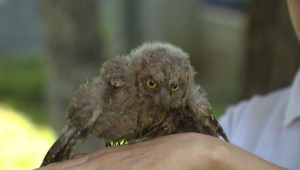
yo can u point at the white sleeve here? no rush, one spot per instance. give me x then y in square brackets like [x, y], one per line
[232, 116]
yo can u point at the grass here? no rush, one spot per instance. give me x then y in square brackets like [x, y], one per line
[23, 144]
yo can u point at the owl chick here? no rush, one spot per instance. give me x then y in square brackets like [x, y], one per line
[147, 94]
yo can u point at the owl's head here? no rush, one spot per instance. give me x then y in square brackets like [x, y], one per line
[162, 74]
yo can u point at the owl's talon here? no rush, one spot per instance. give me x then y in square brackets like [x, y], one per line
[112, 143]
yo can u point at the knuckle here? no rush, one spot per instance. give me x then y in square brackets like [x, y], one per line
[55, 166]
[78, 156]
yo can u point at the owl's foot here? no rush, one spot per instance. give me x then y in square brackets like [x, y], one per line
[124, 142]
[112, 143]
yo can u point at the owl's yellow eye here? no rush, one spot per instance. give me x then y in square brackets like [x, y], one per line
[174, 88]
[151, 84]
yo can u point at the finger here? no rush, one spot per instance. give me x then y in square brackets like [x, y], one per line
[80, 167]
[107, 150]
[78, 156]
[65, 164]
[102, 162]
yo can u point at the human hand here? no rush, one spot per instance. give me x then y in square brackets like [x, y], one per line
[181, 151]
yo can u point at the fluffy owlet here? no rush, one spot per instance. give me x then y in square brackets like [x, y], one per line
[147, 94]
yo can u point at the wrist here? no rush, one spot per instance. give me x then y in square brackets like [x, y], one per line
[219, 156]
[215, 155]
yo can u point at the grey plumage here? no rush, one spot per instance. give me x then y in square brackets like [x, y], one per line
[149, 93]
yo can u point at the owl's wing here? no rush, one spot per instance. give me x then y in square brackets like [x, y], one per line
[199, 113]
[85, 108]
[114, 71]
[81, 116]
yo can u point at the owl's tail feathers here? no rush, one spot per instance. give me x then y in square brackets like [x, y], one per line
[219, 128]
[64, 146]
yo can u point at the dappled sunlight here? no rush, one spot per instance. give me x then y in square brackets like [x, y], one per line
[23, 145]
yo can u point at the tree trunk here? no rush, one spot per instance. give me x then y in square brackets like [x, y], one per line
[73, 51]
[272, 50]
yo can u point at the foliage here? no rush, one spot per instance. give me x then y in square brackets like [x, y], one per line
[22, 85]
[23, 144]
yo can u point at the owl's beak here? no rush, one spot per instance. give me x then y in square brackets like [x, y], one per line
[165, 96]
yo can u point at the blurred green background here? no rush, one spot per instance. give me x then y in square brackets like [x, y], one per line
[48, 48]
